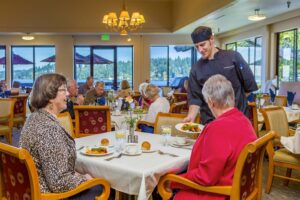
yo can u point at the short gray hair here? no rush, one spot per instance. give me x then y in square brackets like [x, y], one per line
[151, 91]
[219, 90]
[101, 83]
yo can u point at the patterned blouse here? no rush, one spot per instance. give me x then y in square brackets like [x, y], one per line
[53, 151]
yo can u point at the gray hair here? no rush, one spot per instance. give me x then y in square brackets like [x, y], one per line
[151, 91]
[219, 90]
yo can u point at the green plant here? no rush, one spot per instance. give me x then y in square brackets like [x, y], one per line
[130, 120]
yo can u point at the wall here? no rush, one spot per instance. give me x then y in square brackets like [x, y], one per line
[65, 46]
[268, 31]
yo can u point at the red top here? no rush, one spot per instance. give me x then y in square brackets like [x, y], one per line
[215, 154]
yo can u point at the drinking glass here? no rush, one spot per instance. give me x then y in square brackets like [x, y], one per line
[120, 140]
[166, 131]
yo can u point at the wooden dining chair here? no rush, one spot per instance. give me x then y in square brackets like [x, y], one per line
[178, 107]
[247, 179]
[284, 159]
[172, 119]
[276, 120]
[90, 120]
[6, 118]
[19, 178]
[66, 122]
[253, 116]
[20, 110]
[179, 97]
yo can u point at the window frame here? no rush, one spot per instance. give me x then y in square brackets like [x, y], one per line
[5, 63]
[193, 59]
[115, 85]
[33, 58]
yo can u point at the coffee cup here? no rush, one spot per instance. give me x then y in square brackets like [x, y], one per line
[132, 148]
[294, 106]
[180, 140]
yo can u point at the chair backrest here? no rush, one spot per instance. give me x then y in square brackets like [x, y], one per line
[172, 119]
[18, 174]
[90, 120]
[180, 96]
[7, 108]
[247, 179]
[279, 100]
[253, 116]
[20, 105]
[178, 107]
[66, 122]
[276, 120]
[290, 86]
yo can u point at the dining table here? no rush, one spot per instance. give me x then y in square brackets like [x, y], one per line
[136, 174]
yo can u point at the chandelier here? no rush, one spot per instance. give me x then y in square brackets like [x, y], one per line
[257, 16]
[124, 24]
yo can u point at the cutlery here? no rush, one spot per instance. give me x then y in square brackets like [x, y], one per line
[165, 153]
[79, 148]
[113, 157]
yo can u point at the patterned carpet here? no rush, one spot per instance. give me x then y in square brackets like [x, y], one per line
[278, 190]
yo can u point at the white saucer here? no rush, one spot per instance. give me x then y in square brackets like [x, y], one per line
[135, 154]
[149, 151]
[187, 143]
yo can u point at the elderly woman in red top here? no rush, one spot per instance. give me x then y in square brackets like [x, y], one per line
[216, 150]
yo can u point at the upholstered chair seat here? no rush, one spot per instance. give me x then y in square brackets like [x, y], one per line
[283, 155]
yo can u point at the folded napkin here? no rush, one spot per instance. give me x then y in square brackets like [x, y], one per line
[272, 95]
[250, 97]
[290, 97]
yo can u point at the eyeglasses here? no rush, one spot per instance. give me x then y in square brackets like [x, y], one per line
[62, 90]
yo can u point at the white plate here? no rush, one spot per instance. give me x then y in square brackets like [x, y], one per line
[149, 151]
[135, 154]
[178, 127]
[109, 151]
[187, 143]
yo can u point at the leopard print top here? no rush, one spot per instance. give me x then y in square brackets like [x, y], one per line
[53, 151]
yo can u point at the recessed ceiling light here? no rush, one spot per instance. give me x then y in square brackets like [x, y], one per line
[257, 16]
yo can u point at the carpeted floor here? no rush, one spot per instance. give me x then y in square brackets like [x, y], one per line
[278, 190]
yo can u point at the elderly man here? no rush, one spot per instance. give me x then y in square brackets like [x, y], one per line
[84, 88]
[216, 61]
[217, 149]
[95, 93]
[73, 93]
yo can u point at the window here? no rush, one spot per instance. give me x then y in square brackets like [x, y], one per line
[169, 62]
[29, 62]
[251, 51]
[2, 63]
[110, 64]
[288, 66]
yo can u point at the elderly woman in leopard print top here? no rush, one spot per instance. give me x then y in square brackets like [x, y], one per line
[52, 148]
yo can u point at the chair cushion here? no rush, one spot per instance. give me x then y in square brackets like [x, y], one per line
[283, 155]
[3, 120]
[92, 121]
[15, 178]
[19, 106]
[4, 128]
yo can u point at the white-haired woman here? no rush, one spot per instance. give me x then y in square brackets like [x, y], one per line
[144, 102]
[159, 104]
[216, 150]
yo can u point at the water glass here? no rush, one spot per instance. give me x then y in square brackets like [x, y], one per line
[166, 131]
[120, 140]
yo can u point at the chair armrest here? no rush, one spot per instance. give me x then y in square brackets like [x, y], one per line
[167, 194]
[83, 186]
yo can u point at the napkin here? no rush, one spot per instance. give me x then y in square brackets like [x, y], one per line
[250, 97]
[290, 97]
[272, 95]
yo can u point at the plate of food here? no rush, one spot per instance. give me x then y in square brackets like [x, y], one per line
[96, 151]
[189, 127]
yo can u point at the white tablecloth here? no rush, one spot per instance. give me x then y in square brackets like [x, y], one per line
[135, 175]
[290, 113]
[117, 120]
[292, 143]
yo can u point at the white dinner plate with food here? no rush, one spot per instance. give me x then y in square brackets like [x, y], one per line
[96, 151]
[189, 127]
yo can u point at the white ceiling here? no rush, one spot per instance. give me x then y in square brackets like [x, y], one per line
[235, 15]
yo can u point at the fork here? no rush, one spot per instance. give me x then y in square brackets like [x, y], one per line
[165, 153]
[113, 157]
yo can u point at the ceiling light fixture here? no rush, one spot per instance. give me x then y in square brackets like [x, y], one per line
[257, 16]
[124, 24]
[28, 37]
